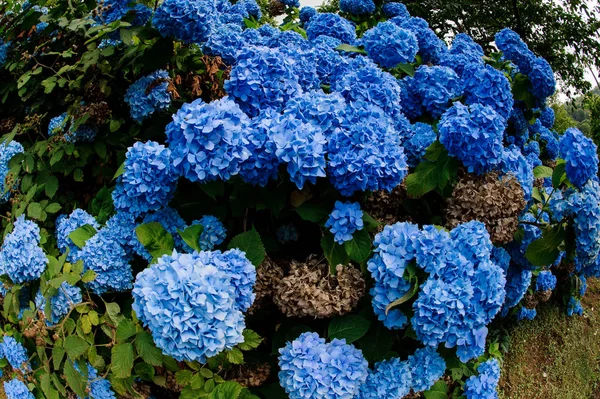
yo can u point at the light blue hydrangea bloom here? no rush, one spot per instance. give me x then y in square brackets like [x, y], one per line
[515, 49]
[526, 314]
[7, 151]
[463, 52]
[16, 389]
[426, 367]
[61, 303]
[225, 41]
[344, 220]
[333, 25]
[97, 387]
[581, 157]
[415, 146]
[306, 13]
[483, 386]
[388, 379]
[389, 45]
[574, 307]
[431, 47]
[189, 21]
[357, 7]
[4, 47]
[15, 353]
[65, 225]
[393, 9]
[148, 95]
[213, 233]
[21, 257]
[486, 85]
[57, 124]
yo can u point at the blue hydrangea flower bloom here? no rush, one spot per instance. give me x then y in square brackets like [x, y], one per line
[225, 41]
[15, 353]
[333, 25]
[526, 314]
[310, 368]
[148, 181]
[517, 283]
[117, 9]
[547, 117]
[518, 121]
[473, 135]
[287, 233]
[330, 63]
[486, 85]
[262, 78]
[57, 124]
[16, 389]
[389, 45]
[586, 223]
[574, 307]
[431, 90]
[7, 151]
[393, 9]
[306, 13]
[357, 7]
[581, 157]
[189, 305]
[542, 79]
[464, 51]
[21, 257]
[426, 367]
[515, 49]
[483, 386]
[4, 47]
[431, 47]
[545, 281]
[83, 134]
[344, 220]
[416, 145]
[208, 140]
[185, 20]
[170, 219]
[304, 62]
[61, 303]
[388, 379]
[148, 95]
[325, 111]
[121, 227]
[97, 387]
[252, 8]
[213, 234]
[515, 163]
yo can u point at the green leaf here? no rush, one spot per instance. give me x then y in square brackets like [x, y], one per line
[144, 371]
[75, 379]
[102, 205]
[34, 211]
[377, 343]
[350, 49]
[78, 175]
[251, 244]
[82, 234]
[313, 212]
[542, 171]
[435, 395]
[227, 390]
[56, 156]
[51, 186]
[521, 90]
[122, 360]
[52, 208]
[559, 175]
[334, 252]
[119, 171]
[359, 247]
[183, 377]
[58, 353]
[191, 236]
[251, 340]
[406, 68]
[155, 239]
[351, 327]
[147, 349]
[412, 292]
[88, 276]
[49, 84]
[235, 356]
[75, 346]
[544, 250]
[125, 330]
[423, 180]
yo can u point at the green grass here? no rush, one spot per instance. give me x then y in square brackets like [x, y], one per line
[555, 356]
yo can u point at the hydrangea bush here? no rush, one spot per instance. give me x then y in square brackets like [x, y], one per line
[198, 202]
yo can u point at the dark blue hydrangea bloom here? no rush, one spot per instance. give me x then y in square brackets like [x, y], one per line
[97, 387]
[517, 283]
[252, 8]
[581, 157]
[464, 51]
[262, 78]
[4, 47]
[515, 49]
[15, 353]
[426, 367]
[501, 257]
[395, 247]
[208, 141]
[532, 147]
[517, 249]
[392, 10]
[473, 135]
[330, 63]
[306, 13]
[171, 221]
[310, 368]
[16, 389]
[225, 41]
[388, 379]
[57, 124]
[542, 79]
[344, 220]
[185, 20]
[526, 314]
[515, 163]
[304, 62]
[213, 233]
[287, 233]
[7, 151]
[333, 25]
[518, 121]
[431, 47]
[574, 307]
[586, 222]
[83, 134]
[483, 386]
[545, 281]
[61, 303]
[21, 257]
[189, 305]
[487, 86]
[148, 181]
[148, 95]
[388, 45]
[302, 146]
[263, 164]
[357, 7]
[547, 117]
[117, 9]
[430, 90]
[325, 111]
[416, 145]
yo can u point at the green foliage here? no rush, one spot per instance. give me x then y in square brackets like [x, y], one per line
[436, 172]
[251, 244]
[155, 239]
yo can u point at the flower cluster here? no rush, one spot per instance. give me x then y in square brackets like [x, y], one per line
[579, 153]
[187, 21]
[193, 303]
[426, 367]
[389, 45]
[61, 303]
[7, 151]
[388, 379]
[357, 7]
[483, 386]
[487, 86]
[430, 90]
[148, 95]
[15, 353]
[328, 24]
[213, 232]
[21, 257]
[344, 220]
[545, 281]
[311, 368]
[16, 389]
[65, 225]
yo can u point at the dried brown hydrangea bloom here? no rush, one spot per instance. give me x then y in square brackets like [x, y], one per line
[309, 290]
[385, 207]
[268, 276]
[493, 200]
[543, 296]
[249, 375]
